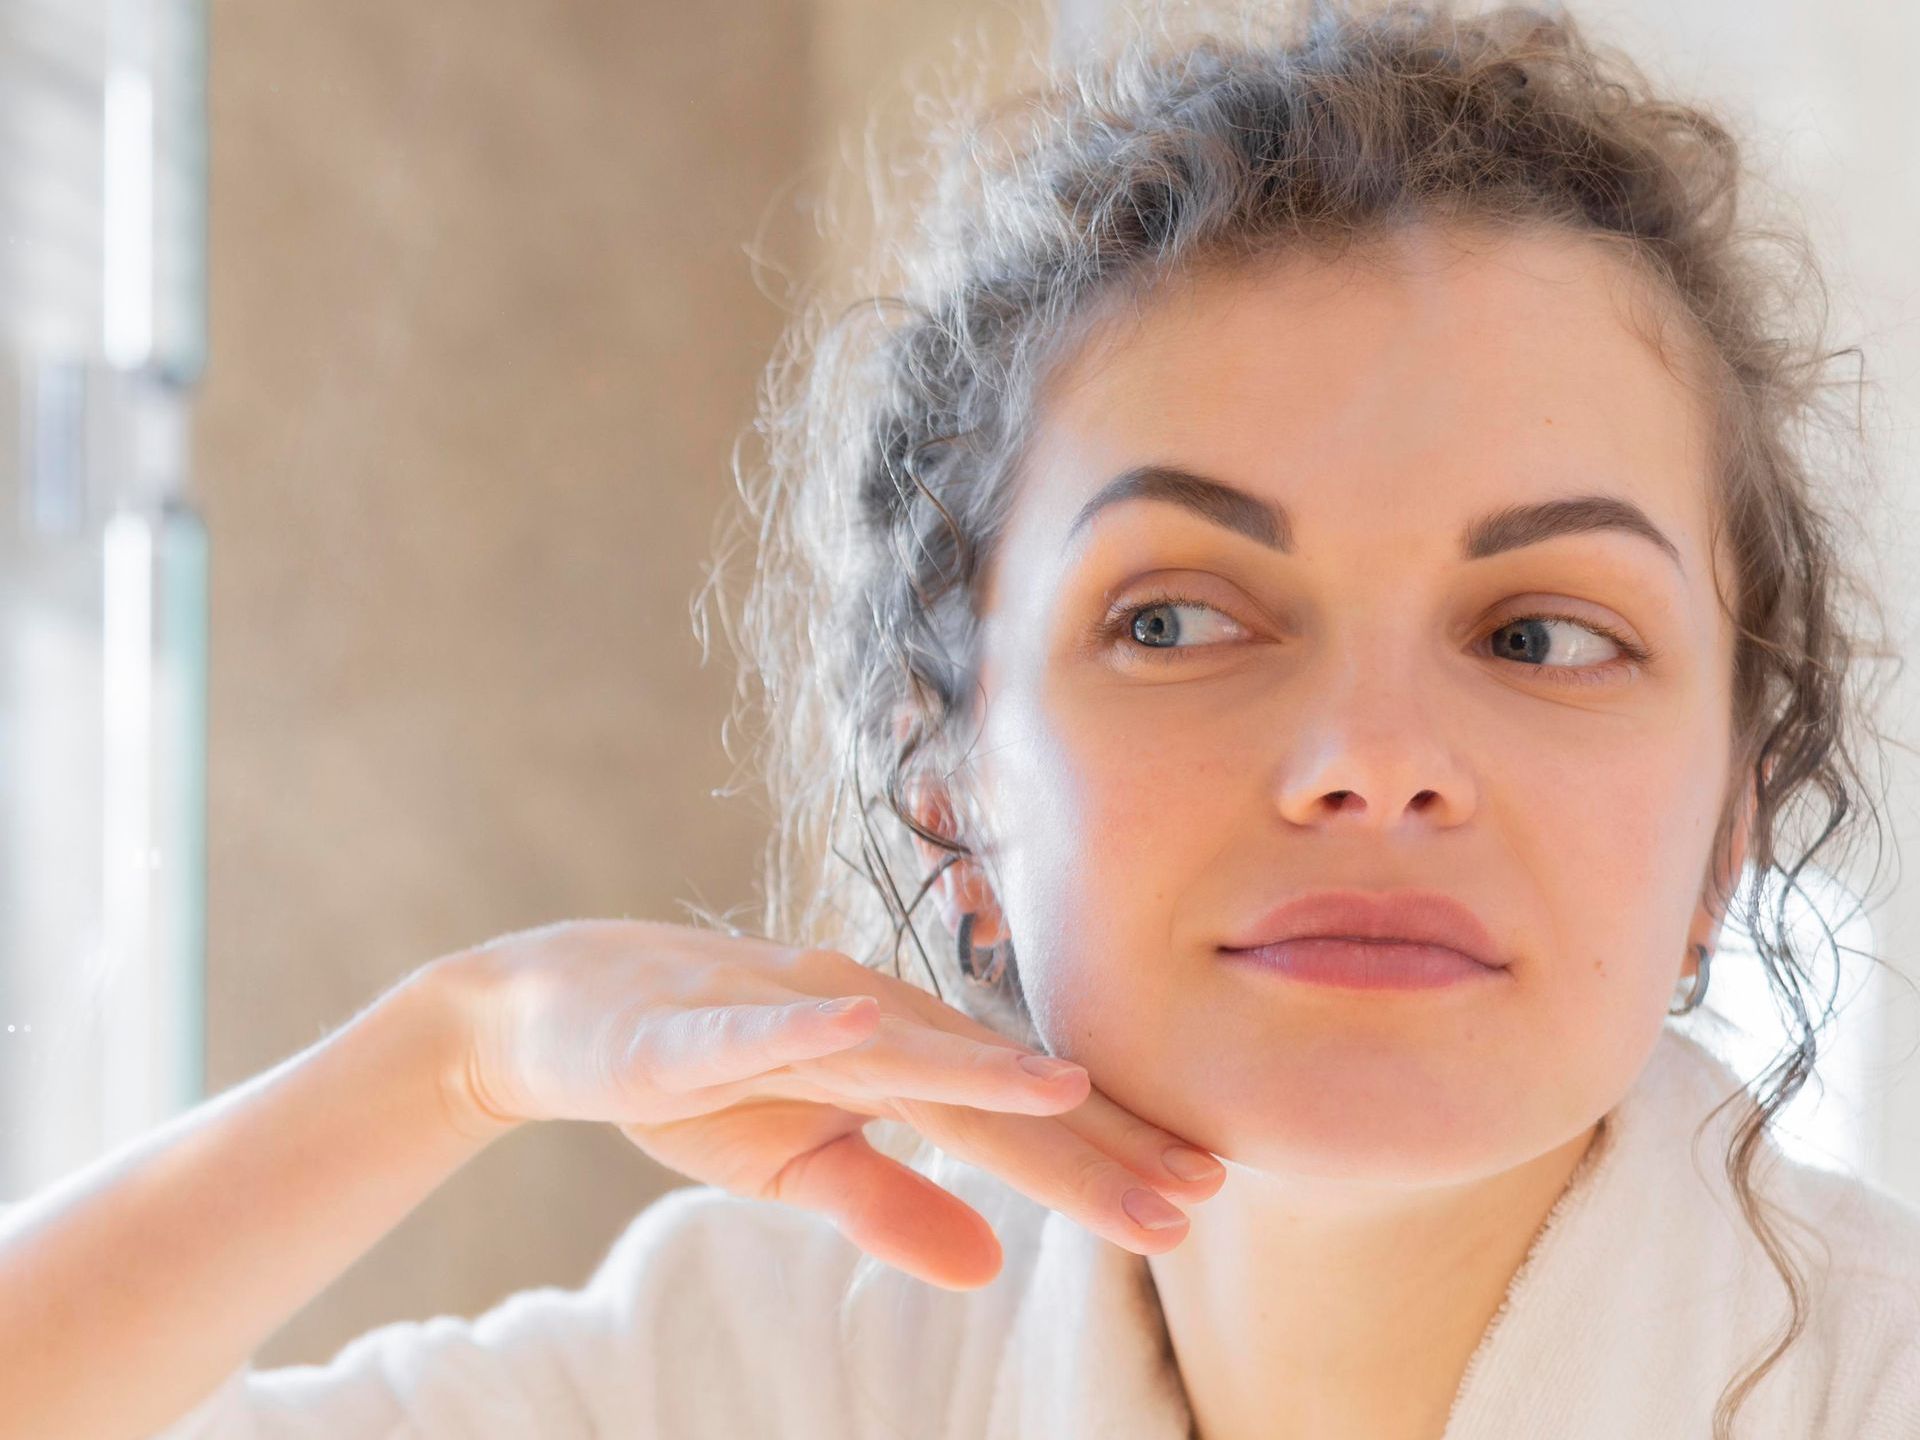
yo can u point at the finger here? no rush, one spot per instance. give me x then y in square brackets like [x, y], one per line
[831, 972]
[904, 1059]
[677, 1049]
[1186, 1172]
[893, 1212]
[1047, 1160]
[1141, 1145]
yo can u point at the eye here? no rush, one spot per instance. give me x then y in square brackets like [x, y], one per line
[1525, 639]
[1152, 629]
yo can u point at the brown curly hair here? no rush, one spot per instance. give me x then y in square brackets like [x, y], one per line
[893, 425]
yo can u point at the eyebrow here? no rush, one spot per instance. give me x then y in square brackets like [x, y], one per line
[1268, 523]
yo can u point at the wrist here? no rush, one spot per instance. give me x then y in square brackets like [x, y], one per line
[451, 997]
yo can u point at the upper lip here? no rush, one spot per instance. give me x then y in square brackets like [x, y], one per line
[1421, 917]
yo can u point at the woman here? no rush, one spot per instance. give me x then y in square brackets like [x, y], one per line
[1316, 568]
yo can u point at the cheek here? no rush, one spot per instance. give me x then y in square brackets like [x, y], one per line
[1618, 839]
[1609, 841]
[1102, 824]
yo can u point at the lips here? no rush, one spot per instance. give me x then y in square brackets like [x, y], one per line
[1422, 917]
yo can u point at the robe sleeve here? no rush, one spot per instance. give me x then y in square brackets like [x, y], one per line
[710, 1316]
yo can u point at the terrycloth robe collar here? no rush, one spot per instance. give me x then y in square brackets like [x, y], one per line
[1642, 1295]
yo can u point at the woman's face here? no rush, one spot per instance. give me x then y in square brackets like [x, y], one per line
[1324, 707]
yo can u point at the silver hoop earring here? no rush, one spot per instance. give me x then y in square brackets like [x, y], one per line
[982, 965]
[1688, 993]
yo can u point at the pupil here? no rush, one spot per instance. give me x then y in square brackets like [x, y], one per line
[1146, 630]
[1533, 639]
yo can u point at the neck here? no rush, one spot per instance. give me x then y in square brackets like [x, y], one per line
[1341, 1311]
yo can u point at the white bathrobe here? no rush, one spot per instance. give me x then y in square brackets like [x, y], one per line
[714, 1317]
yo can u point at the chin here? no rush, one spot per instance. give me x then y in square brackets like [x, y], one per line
[1392, 1117]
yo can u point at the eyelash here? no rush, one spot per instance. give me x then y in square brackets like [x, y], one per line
[1117, 630]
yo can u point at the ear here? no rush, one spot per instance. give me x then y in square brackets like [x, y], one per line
[961, 886]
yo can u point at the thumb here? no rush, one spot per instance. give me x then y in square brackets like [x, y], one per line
[894, 1213]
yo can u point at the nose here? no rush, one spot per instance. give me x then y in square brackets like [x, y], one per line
[1368, 751]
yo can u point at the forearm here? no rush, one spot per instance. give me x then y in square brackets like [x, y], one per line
[131, 1288]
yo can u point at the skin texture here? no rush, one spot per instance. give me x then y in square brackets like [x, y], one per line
[1391, 1154]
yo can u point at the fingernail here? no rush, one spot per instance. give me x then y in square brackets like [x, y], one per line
[1150, 1210]
[1047, 1067]
[840, 1007]
[1190, 1164]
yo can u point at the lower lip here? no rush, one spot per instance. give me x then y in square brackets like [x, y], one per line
[1366, 964]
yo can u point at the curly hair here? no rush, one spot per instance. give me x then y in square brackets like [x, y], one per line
[893, 425]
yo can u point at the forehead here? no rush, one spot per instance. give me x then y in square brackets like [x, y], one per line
[1429, 378]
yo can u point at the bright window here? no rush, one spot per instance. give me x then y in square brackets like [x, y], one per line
[1834, 1122]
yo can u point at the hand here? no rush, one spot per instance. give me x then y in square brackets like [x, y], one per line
[711, 1053]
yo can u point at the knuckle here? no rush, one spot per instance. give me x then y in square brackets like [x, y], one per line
[993, 1060]
[697, 1034]
[1091, 1177]
[843, 1068]
[635, 1070]
[815, 966]
[781, 964]
[785, 1184]
[954, 1125]
[779, 1186]
[654, 1057]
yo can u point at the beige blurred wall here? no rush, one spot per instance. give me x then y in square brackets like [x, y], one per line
[483, 332]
